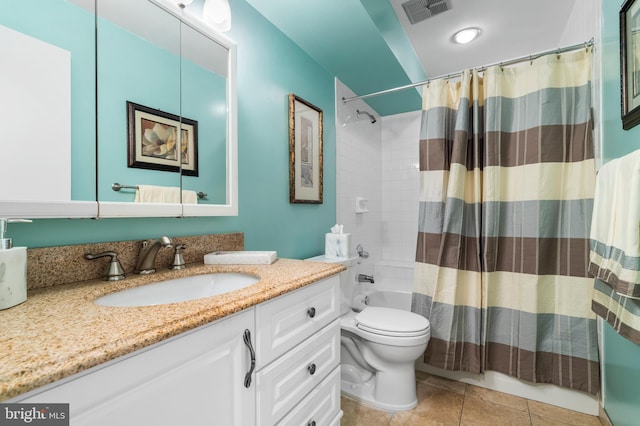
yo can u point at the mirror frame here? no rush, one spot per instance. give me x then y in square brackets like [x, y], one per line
[79, 209]
[114, 209]
[230, 208]
[49, 209]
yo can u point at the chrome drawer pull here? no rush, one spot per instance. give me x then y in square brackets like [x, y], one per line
[247, 341]
[311, 312]
[311, 369]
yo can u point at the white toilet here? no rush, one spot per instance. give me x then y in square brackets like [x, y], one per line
[379, 347]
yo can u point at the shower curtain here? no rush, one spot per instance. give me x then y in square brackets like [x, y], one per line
[507, 180]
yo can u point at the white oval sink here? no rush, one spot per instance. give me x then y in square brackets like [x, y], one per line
[179, 290]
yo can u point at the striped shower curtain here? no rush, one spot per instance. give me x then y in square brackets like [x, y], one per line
[507, 182]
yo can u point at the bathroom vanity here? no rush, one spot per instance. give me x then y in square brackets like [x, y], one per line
[266, 354]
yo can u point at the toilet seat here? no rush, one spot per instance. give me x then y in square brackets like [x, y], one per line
[391, 322]
[348, 324]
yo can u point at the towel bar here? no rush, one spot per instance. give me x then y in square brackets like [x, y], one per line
[117, 187]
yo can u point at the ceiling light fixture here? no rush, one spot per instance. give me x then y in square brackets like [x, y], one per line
[217, 14]
[466, 35]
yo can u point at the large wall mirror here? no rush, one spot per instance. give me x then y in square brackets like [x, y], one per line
[161, 113]
[47, 109]
[166, 99]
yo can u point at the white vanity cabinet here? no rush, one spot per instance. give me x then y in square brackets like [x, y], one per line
[196, 378]
[200, 377]
[298, 356]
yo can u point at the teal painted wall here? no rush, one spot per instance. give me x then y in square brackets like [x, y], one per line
[193, 98]
[270, 66]
[621, 364]
[58, 23]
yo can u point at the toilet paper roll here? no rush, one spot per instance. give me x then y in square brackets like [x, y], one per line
[337, 245]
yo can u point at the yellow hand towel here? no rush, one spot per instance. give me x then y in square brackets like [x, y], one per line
[189, 197]
[157, 194]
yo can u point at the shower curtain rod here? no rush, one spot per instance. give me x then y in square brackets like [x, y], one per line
[586, 45]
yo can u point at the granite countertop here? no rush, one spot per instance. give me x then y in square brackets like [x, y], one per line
[59, 331]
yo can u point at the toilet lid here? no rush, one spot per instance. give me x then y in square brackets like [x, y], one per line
[391, 322]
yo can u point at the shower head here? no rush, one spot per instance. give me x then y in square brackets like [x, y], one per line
[371, 117]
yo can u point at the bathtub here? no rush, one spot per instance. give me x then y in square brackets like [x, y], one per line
[383, 298]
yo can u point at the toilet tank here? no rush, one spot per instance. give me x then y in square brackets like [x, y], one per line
[347, 279]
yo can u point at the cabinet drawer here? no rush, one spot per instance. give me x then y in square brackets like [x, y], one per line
[321, 406]
[282, 384]
[284, 322]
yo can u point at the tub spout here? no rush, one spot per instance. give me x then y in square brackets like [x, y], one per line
[365, 278]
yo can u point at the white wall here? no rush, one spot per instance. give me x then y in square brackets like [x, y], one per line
[400, 192]
[583, 23]
[358, 169]
[379, 162]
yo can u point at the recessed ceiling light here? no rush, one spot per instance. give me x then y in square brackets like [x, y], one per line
[466, 35]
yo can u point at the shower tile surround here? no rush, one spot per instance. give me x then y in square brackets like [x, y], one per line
[50, 266]
[379, 162]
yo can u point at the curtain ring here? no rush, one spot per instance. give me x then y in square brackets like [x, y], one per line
[530, 60]
[558, 54]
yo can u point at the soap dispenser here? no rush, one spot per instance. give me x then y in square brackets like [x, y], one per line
[13, 268]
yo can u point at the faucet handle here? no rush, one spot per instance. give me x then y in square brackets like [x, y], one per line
[114, 271]
[178, 259]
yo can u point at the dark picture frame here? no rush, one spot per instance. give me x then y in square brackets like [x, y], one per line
[630, 63]
[154, 142]
[305, 151]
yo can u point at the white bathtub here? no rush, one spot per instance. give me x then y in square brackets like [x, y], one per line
[383, 298]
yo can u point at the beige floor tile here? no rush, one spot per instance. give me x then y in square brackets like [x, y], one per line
[357, 414]
[480, 412]
[438, 405]
[495, 397]
[407, 418]
[545, 414]
[440, 382]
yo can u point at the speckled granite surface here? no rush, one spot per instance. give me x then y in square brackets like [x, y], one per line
[50, 266]
[59, 331]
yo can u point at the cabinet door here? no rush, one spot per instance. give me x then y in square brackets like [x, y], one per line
[194, 379]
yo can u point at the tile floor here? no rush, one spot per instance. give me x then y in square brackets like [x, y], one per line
[446, 402]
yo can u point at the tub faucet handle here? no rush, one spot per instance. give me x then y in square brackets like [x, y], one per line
[362, 253]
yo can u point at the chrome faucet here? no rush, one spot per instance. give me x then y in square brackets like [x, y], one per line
[148, 252]
[362, 278]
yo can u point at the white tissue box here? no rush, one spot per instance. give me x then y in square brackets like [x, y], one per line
[240, 258]
[337, 245]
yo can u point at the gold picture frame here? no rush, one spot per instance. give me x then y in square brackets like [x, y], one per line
[305, 151]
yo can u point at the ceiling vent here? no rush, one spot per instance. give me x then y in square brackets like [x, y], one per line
[419, 10]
